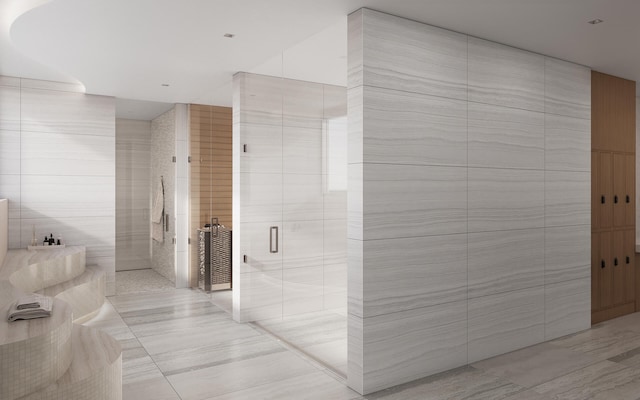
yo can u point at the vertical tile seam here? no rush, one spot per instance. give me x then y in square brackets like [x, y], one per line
[467, 120]
[544, 210]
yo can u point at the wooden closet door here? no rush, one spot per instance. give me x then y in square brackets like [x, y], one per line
[630, 190]
[619, 190]
[629, 265]
[618, 267]
[605, 189]
[605, 275]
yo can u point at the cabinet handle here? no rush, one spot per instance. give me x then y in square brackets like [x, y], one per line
[628, 199]
[602, 200]
[602, 264]
[615, 261]
[273, 229]
[628, 259]
[615, 199]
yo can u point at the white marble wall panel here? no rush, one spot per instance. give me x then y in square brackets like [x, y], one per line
[260, 197]
[567, 307]
[502, 199]
[355, 195]
[302, 197]
[503, 137]
[49, 195]
[10, 108]
[302, 290]
[505, 261]
[335, 104]
[521, 178]
[302, 150]
[67, 112]
[15, 232]
[432, 340]
[567, 253]
[302, 244]
[257, 99]
[47, 153]
[9, 151]
[413, 57]
[302, 104]
[52, 85]
[9, 81]
[505, 76]
[567, 198]
[264, 148]
[10, 189]
[335, 205]
[567, 143]
[504, 322]
[411, 128]
[410, 273]
[567, 89]
[334, 243]
[409, 200]
[355, 125]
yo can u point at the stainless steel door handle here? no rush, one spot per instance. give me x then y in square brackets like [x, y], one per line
[273, 229]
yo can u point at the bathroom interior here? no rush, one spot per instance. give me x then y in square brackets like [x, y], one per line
[266, 180]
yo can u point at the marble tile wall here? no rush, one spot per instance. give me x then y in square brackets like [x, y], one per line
[57, 166]
[284, 180]
[468, 203]
[163, 148]
[133, 194]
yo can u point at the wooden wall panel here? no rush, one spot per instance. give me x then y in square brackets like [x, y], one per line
[613, 139]
[211, 171]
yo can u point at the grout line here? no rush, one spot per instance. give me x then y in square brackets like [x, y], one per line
[467, 233]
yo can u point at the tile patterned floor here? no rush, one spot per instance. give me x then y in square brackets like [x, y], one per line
[178, 345]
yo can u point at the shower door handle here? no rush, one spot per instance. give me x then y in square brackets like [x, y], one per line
[273, 229]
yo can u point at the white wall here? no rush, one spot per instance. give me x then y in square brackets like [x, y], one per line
[469, 199]
[58, 166]
[133, 194]
[4, 229]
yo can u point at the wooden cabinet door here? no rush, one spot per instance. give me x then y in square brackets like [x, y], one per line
[629, 265]
[619, 190]
[605, 273]
[618, 267]
[629, 199]
[604, 189]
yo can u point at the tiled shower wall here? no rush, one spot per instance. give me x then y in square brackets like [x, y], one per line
[469, 199]
[163, 148]
[281, 180]
[133, 193]
[57, 166]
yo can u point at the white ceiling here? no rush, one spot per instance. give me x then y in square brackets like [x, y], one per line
[129, 48]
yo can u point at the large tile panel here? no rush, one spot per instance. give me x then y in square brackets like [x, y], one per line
[502, 137]
[409, 273]
[411, 128]
[505, 322]
[409, 201]
[567, 253]
[264, 148]
[9, 108]
[302, 290]
[67, 112]
[567, 307]
[260, 197]
[302, 244]
[10, 189]
[567, 198]
[410, 56]
[505, 261]
[505, 76]
[9, 152]
[302, 150]
[567, 143]
[431, 340]
[45, 153]
[503, 199]
[567, 88]
[302, 197]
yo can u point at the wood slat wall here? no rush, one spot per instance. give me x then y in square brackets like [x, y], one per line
[211, 171]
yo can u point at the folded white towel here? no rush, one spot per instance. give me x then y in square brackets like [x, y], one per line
[45, 305]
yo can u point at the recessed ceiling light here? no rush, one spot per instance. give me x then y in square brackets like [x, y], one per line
[595, 21]
[165, 85]
[229, 35]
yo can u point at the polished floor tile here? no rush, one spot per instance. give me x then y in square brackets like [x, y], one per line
[178, 346]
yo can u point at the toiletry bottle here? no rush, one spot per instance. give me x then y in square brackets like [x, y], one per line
[59, 242]
[52, 241]
[45, 241]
